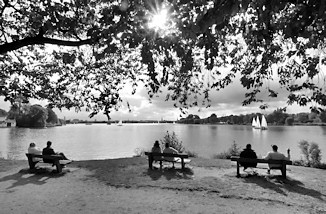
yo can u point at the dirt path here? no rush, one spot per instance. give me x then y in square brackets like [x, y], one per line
[127, 186]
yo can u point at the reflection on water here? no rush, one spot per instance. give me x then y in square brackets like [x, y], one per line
[99, 141]
[323, 128]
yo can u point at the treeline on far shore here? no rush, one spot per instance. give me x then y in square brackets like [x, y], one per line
[78, 121]
[32, 116]
[277, 117]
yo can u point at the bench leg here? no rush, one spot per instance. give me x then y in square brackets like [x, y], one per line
[31, 163]
[150, 162]
[283, 171]
[59, 167]
[238, 169]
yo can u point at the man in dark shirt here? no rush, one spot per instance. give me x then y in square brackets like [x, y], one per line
[248, 153]
[49, 151]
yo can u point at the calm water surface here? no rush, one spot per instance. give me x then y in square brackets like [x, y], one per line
[100, 141]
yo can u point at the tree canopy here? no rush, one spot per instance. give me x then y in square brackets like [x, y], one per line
[27, 115]
[81, 53]
[31, 116]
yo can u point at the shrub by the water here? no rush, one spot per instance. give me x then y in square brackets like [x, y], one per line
[311, 154]
[139, 152]
[234, 150]
[174, 142]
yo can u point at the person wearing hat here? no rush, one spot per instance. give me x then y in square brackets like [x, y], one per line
[275, 155]
[248, 153]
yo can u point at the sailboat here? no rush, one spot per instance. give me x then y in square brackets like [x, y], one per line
[263, 123]
[120, 123]
[253, 124]
[257, 123]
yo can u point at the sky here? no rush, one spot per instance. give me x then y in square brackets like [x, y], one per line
[228, 101]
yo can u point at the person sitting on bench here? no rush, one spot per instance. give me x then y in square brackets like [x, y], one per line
[169, 149]
[248, 153]
[156, 149]
[49, 151]
[32, 149]
[275, 155]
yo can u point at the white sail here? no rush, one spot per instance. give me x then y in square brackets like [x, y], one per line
[253, 124]
[120, 123]
[263, 123]
[257, 122]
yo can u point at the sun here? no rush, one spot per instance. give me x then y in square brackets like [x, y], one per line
[159, 20]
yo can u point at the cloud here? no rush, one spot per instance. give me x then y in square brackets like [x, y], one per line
[224, 102]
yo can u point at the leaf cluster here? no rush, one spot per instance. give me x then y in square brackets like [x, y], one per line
[80, 54]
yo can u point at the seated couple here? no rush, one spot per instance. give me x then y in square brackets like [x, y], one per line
[168, 149]
[272, 155]
[32, 149]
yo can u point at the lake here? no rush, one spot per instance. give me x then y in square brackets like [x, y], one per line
[101, 141]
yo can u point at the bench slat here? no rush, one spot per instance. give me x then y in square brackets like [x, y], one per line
[179, 155]
[251, 160]
[52, 157]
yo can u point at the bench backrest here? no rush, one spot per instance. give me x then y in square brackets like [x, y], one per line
[251, 160]
[52, 157]
[179, 155]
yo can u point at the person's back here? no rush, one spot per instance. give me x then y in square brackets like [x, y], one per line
[171, 150]
[275, 155]
[32, 149]
[248, 153]
[48, 151]
[156, 149]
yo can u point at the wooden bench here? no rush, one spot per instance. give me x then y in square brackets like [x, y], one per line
[283, 163]
[161, 158]
[55, 158]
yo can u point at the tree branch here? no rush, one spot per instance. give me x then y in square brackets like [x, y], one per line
[218, 15]
[40, 40]
[224, 9]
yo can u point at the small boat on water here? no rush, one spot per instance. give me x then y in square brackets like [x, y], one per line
[263, 123]
[253, 124]
[120, 123]
[259, 125]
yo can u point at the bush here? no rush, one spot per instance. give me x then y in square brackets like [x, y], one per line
[315, 154]
[174, 142]
[139, 152]
[223, 155]
[311, 153]
[234, 150]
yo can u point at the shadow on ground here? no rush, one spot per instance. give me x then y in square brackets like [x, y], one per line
[170, 173]
[282, 185]
[37, 176]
